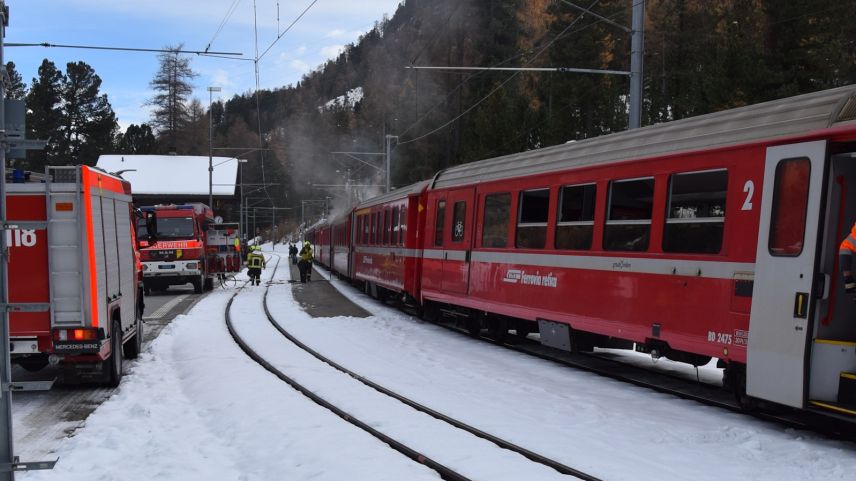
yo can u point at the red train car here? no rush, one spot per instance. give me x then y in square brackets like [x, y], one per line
[714, 236]
[387, 239]
[340, 245]
[321, 243]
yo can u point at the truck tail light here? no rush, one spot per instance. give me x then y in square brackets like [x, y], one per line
[75, 335]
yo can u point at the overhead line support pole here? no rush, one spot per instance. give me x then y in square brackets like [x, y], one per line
[7, 454]
[637, 51]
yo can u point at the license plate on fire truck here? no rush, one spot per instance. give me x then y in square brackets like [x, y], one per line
[167, 266]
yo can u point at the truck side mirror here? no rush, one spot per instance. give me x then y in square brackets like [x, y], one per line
[152, 226]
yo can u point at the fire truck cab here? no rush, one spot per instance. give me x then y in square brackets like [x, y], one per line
[74, 288]
[180, 254]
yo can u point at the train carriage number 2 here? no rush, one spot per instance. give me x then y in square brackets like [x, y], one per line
[749, 188]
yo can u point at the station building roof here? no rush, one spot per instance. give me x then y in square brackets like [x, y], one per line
[174, 175]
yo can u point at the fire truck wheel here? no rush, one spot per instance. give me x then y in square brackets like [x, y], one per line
[134, 347]
[198, 284]
[209, 283]
[113, 364]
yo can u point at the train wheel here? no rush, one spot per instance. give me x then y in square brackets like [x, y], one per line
[474, 323]
[523, 329]
[497, 328]
[431, 312]
[735, 380]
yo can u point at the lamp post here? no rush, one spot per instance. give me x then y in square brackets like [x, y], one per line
[211, 91]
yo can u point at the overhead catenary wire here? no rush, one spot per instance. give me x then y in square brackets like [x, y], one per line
[464, 81]
[121, 49]
[503, 83]
[226, 18]
[280, 35]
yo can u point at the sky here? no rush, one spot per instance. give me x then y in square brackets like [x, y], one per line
[320, 35]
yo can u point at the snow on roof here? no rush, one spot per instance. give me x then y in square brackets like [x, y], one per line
[174, 174]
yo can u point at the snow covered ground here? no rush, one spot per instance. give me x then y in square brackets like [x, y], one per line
[196, 407]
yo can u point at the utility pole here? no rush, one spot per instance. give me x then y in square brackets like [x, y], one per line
[389, 139]
[637, 52]
[7, 452]
[211, 91]
[8, 461]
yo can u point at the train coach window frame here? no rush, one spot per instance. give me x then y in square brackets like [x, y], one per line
[387, 226]
[695, 212]
[533, 215]
[789, 209]
[575, 224]
[497, 216]
[402, 235]
[396, 225]
[440, 222]
[629, 230]
[365, 234]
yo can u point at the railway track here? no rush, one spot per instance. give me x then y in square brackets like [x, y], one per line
[824, 423]
[402, 447]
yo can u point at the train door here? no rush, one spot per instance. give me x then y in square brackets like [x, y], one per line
[780, 322]
[458, 240]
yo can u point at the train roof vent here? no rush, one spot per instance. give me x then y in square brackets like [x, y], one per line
[848, 112]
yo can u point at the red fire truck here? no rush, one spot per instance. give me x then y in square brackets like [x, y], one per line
[180, 254]
[74, 278]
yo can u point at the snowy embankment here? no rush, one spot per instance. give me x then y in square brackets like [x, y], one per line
[196, 407]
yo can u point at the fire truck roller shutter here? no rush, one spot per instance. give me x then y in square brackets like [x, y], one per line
[126, 261]
[99, 261]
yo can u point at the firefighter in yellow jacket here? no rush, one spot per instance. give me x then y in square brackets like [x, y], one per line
[255, 262]
[304, 265]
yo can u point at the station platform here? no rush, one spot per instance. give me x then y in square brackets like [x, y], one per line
[320, 299]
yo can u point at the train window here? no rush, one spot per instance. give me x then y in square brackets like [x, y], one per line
[532, 219]
[790, 200]
[628, 221]
[374, 227]
[438, 226]
[365, 229]
[497, 209]
[575, 221]
[402, 227]
[386, 226]
[459, 217]
[696, 212]
[395, 227]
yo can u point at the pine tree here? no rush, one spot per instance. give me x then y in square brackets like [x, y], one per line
[44, 114]
[16, 89]
[88, 126]
[172, 86]
[137, 139]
